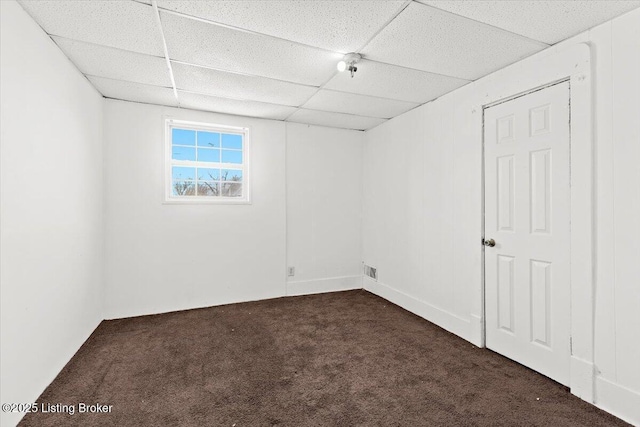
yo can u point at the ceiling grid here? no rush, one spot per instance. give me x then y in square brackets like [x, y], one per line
[277, 59]
[156, 14]
[404, 5]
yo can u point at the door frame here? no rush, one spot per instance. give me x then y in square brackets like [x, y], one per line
[573, 65]
[484, 249]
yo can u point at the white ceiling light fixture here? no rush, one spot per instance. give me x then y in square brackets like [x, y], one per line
[349, 62]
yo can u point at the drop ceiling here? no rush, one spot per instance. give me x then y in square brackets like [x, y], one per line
[277, 59]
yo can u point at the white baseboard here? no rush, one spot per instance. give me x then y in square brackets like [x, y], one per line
[304, 287]
[169, 306]
[581, 379]
[622, 402]
[477, 330]
[318, 286]
[442, 318]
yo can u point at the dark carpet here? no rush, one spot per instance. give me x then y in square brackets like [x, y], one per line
[340, 359]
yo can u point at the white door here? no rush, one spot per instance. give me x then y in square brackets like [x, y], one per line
[527, 214]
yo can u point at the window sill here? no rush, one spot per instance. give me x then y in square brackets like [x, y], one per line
[206, 201]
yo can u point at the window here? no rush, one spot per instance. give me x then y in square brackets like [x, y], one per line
[206, 162]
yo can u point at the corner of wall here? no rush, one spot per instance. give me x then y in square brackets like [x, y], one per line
[582, 379]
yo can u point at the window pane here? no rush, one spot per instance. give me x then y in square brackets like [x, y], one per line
[208, 189]
[231, 141]
[229, 156]
[232, 189]
[183, 188]
[184, 173]
[231, 175]
[183, 153]
[208, 139]
[207, 174]
[208, 155]
[183, 137]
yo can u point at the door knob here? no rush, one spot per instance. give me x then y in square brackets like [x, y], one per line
[489, 242]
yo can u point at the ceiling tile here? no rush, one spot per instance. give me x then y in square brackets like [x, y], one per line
[430, 39]
[102, 61]
[341, 26]
[390, 81]
[336, 120]
[547, 21]
[239, 86]
[137, 92]
[125, 25]
[350, 103]
[232, 106]
[201, 43]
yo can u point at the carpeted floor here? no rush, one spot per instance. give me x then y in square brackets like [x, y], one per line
[341, 359]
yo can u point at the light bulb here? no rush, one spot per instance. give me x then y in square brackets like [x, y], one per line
[342, 66]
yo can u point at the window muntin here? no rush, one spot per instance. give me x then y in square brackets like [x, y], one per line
[206, 163]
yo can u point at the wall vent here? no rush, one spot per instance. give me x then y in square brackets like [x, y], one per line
[371, 272]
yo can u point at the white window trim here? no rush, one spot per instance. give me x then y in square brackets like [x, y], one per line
[169, 198]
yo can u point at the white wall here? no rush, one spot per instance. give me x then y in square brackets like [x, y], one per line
[411, 203]
[324, 208]
[51, 208]
[617, 326]
[166, 257]
[422, 227]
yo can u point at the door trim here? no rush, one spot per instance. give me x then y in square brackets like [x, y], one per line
[573, 65]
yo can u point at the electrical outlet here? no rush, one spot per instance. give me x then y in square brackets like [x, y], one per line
[291, 271]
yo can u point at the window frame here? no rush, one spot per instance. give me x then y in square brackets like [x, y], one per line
[169, 198]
